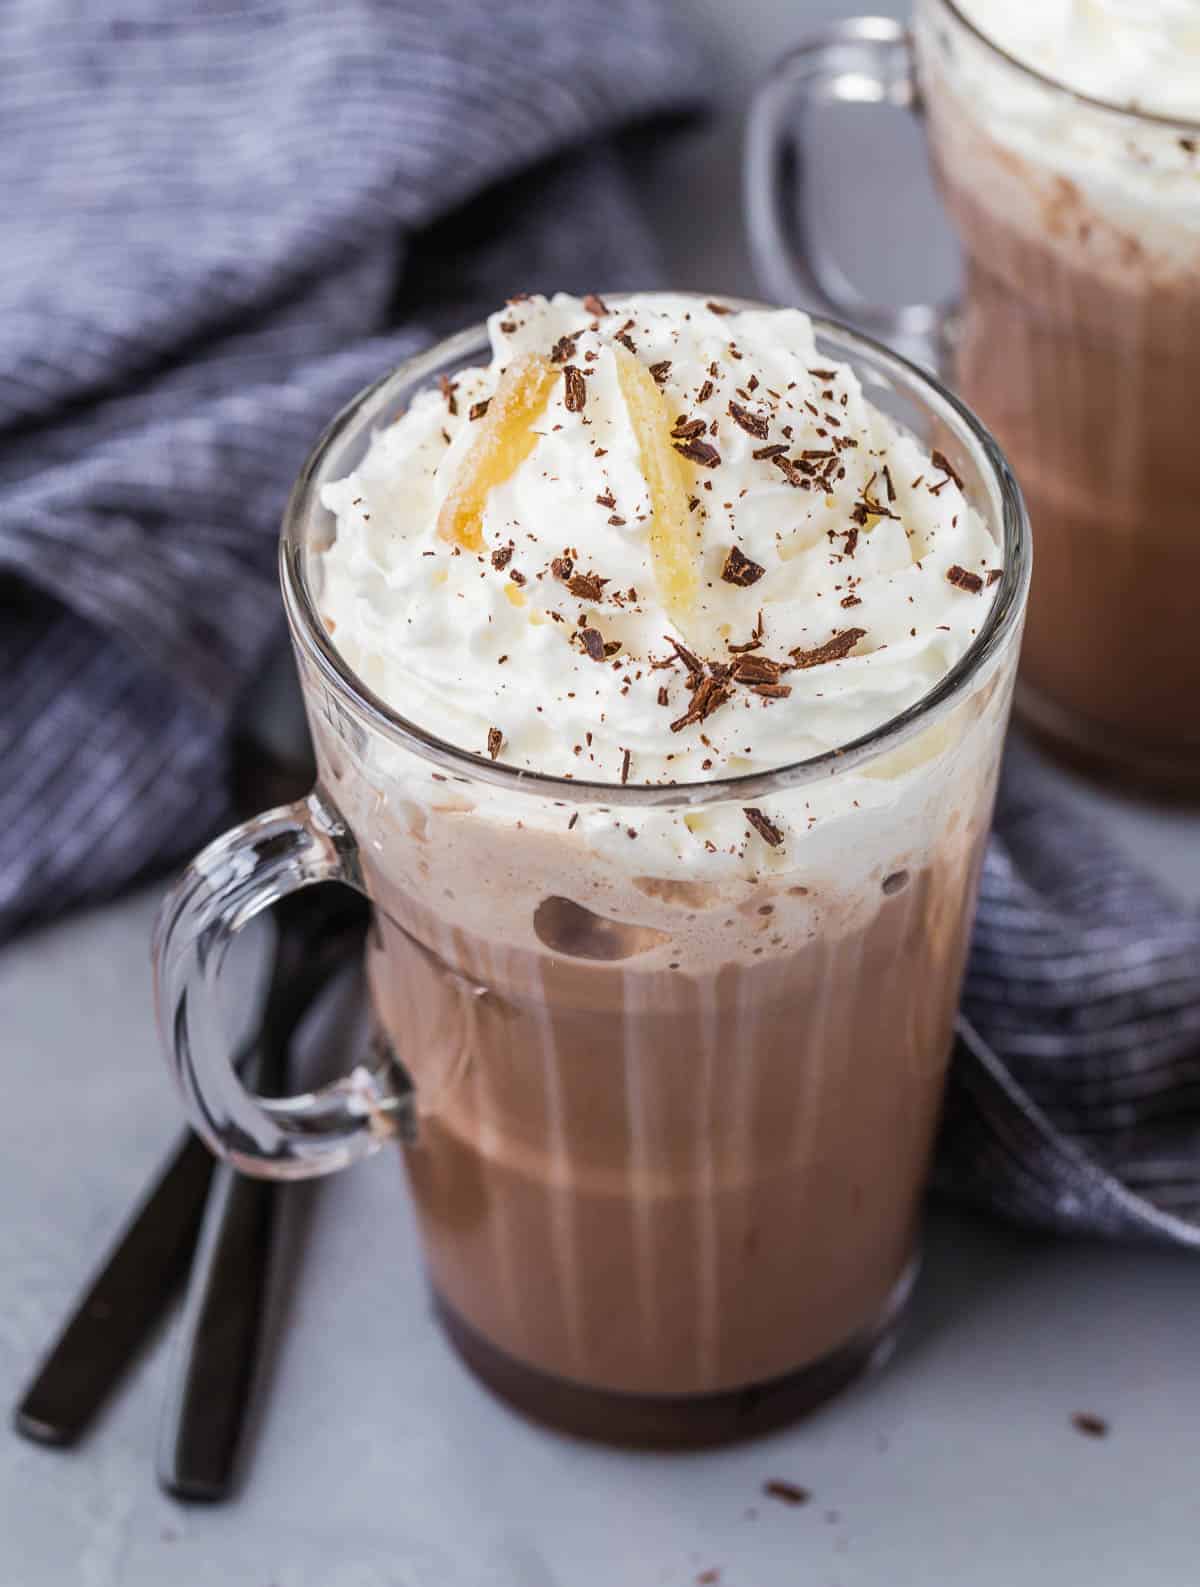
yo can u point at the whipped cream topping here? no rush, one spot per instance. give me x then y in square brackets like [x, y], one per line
[825, 572]
[1140, 176]
[1139, 54]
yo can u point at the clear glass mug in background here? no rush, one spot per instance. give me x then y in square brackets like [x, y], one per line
[666, 1137]
[1077, 341]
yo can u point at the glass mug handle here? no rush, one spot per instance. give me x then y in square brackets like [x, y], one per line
[863, 61]
[226, 885]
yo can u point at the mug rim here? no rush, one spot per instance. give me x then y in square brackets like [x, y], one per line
[313, 643]
[1150, 118]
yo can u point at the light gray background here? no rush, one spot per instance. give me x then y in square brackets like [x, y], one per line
[379, 1463]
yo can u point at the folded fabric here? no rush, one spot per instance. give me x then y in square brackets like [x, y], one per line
[221, 222]
[1074, 1099]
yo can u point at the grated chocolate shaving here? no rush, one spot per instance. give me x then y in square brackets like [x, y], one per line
[478, 409]
[792, 472]
[963, 580]
[593, 642]
[607, 499]
[740, 570]
[835, 649]
[708, 695]
[685, 429]
[501, 557]
[495, 741]
[625, 759]
[563, 349]
[626, 342]
[693, 663]
[788, 1492]
[995, 575]
[772, 452]
[756, 669]
[940, 460]
[753, 423]
[699, 452]
[587, 586]
[562, 568]
[448, 387]
[771, 691]
[718, 308]
[766, 829]
[595, 304]
[659, 372]
[576, 389]
[705, 392]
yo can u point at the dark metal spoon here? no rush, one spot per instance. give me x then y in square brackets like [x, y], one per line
[218, 1334]
[148, 1261]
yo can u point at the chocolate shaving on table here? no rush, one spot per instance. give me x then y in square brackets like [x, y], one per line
[562, 568]
[625, 759]
[660, 371]
[718, 308]
[835, 649]
[766, 829]
[685, 429]
[501, 557]
[478, 409]
[593, 642]
[753, 423]
[587, 586]
[664, 697]
[940, 460]
[757, 669]
[705, 392]
[448, 387]
[699, 452]
[741, 650]
[709, 693]
[740, 570]
[963, 580]
[594, 304]
[576, 389]
[771, 691]
[777, 449]
[788, 1492]
[495, 741]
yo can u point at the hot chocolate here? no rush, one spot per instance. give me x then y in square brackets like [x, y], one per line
[1079, 343]
[678, 1054]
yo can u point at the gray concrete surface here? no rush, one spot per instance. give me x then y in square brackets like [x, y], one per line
[376, 1460]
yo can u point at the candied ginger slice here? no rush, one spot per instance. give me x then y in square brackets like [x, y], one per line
[667, 481]
[506, 438]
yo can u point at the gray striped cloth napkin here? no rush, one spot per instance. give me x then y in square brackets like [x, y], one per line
[223, 219]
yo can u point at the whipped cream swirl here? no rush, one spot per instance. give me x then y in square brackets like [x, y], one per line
[549, 608]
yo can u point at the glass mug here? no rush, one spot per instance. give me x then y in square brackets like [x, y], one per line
[666, 1137]
[1077, 340]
